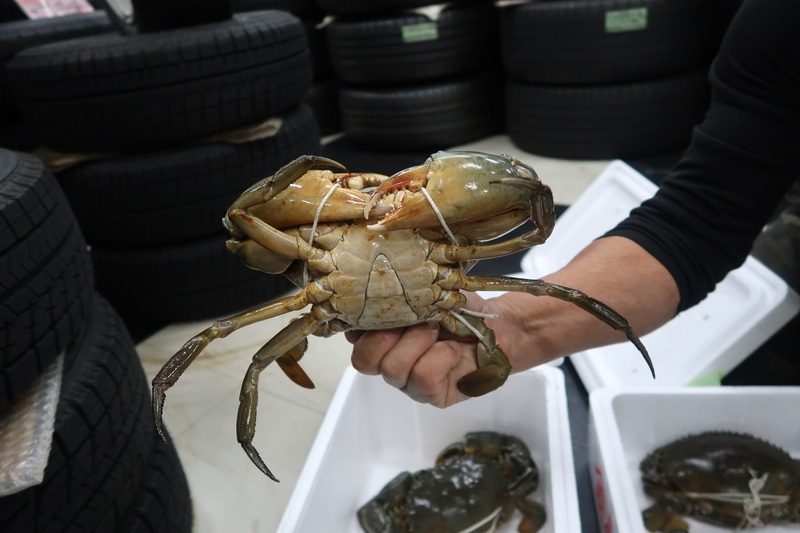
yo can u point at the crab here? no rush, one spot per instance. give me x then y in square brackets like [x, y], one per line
[372, 252]
[475, 485]
[722, 478]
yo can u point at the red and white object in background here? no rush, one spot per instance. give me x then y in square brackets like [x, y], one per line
[38, 9]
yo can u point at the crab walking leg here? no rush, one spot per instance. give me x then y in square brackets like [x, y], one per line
[664, 517]
[276, 347]
[273, 239]
[178, 363]
[493, 365]
[288, 363]
[538, 287]
[534, 515]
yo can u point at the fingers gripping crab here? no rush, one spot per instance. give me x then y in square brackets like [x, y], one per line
[373, 252]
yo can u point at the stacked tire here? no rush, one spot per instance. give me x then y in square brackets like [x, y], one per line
[412, 80]
[150, 117]
[604, 79]
[321, 97]
[19, 34]
[107, 469]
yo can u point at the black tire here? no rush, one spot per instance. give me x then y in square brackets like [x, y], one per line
[115, 92]
[190, 281]
[102, 437]
[579, 42]
[609, 121]
[178, 194]
[22, 34]
[46, 283]
[432, 116]
[163, 503]
[19, 35]
[347, 8]
[388, 50]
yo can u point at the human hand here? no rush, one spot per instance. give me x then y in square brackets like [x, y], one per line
[424, 361]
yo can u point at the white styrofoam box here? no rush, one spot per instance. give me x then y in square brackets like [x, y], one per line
[626, 425]
[372, 432]
[710, 339]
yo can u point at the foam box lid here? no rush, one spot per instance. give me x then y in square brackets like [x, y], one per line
[626, 425]
[372, 432]
[708, 340]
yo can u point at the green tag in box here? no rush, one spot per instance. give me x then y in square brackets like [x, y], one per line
[424, 31]
[623, 20]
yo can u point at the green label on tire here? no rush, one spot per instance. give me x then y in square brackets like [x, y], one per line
[623, 20]
[424, 31]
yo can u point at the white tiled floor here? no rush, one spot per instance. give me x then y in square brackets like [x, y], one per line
[228, 492]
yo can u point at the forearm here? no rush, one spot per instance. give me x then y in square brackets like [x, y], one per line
[618, 272]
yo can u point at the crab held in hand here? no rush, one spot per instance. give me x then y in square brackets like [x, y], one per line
[475, 485]
[372, 252]
[722, 478]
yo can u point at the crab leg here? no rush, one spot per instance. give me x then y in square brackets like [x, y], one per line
[662, 517]
[288, 338]
[273, 239]
[178, 363]
[538, 287]
[534, 515]
[493, 366]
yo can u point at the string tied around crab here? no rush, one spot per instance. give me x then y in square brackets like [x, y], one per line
[322, 204]
[492, 519]
[752, 502]
[455, 241]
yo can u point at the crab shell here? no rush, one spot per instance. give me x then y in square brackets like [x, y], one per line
[722, 462]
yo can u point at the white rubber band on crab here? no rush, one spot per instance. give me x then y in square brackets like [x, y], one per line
[477, 313]
[319, 212]
[751, 501]
[439, 216]
[492, 518]
[468, 325]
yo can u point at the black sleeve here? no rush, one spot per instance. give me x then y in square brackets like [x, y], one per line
[741, 160]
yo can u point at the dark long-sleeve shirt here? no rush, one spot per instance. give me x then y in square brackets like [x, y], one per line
[741, 160]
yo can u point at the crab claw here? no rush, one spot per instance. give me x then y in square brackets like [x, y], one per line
[457, 189]
[306, 191]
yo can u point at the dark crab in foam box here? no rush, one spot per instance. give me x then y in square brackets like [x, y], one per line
[372, 432]
[759, 436]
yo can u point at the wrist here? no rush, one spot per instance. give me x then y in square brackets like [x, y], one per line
[524, 329]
